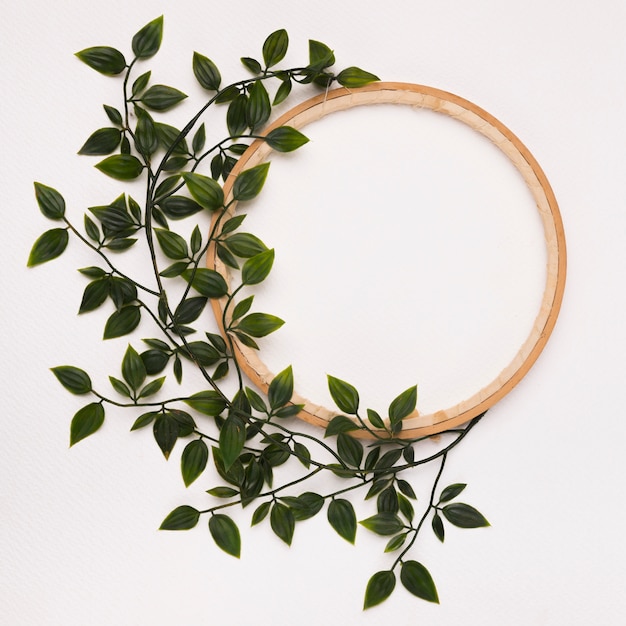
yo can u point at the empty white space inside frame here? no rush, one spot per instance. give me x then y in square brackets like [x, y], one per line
[409, 250]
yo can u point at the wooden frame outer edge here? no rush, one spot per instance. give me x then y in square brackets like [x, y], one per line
[484, 123]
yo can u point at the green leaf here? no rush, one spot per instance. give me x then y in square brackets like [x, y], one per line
[355, 77]
[152, 387]
[349, 449]
[133, 368]
[387, 501]
[193, 460]
[205, 191]
[170, 138]
[342, 518]
[255, 400]
[275, 47]
[281, 388]
[122, 291]
[383, 524]
[451, 492]
[303, 454]
[86, 422]
[140, 83]
[162, 97]
[209, 283]
[241, 308]
[285, 139]
[340, 424]
[122, 322]
[379, 588]
[236, 115]
[48, 246]
[245, 245]
[250, 182]
[403, 405]
[172, 244]
[406, 489]
[103, 59]
[147, 41]
[114, 219]
[251, 65]
[258, 107]
[206, 72]
[174, 270]
[417, 579]
[50, 201]
[282, 92]
[181, 518]
[259, 324]
[282, 522]
[320, 55]
[207, 402]
[146, 138]
[345, 396]
[120, 386]
[203, 353]
[166, 430]
[375, 419]
[222, 492]
[143, 420]
[464, 516]
[395, 543]
[92, 271]
[406, 508]
[232, 440]
[179, 207]
[389, 459]
[96, 292]
[225, 534]
[155, 361]
[73, 379]
[438, 529]
[121, 166]
[199, 139]
[189, 310]
[101, 142]
[260, 513]
[306, 505]
[257, 268]
[113, 114]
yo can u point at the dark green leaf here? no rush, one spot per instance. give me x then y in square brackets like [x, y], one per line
[122, 322]
[73, 379]
[257, 268]
[236, 115]
[383, 524]
[179, 207]
[225, 534]
[199, 139]
[104, 59]
[48, 246]
[147, 41]
[345, 396]
[342, 518]
[167, 186]
[303, 454]
[174, 270]
[406, 489]
[389, 459]
[239, 149]
[464, 516]
[181, 518]
[206, 72]
[229, 163]
[216, 166]
[377, 487]
[86, 422]
[152, 387]
[406, 508]
[140, 83]
[275, 47]
[340, 424]
[241, 308]
[120, 386]
[96, 292]
[121, 166]
[193, 460]
[372, 457]
[170, 138]
[276, 454]
[113, 114]
[409, 454]
[122, 291]
[379, 588]
[320, 55]
[259, 324]
[166, 430]
[133, 368]
[285, 139]
[101, 142]
[226, 256]
[417, 579]
[251, 65]
[255, 400]
[306, 505]
[209, 283]
[395, 543]
[203, 353]
[172, 244]
[155, 361]
[144, 420]
[288, 411]
[162, 97]
[114, 218]
[403, 405]
[207, 402]
[282, 522]
[438, 529]
[281, 388]
[222, 492]
[91, 229]
[258, 107]
[232, 440]
[189, 310]
[375, 419]
[205, 191]
[260, 513]
[250, 182]
[282, 92]
[349, 449]
[245, 245]
[354, 77]
[186, 424]
[146, 138]
[451, 492]
[387, 501]
[50, 201]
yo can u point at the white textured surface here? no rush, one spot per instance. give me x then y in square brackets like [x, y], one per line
[546, 466]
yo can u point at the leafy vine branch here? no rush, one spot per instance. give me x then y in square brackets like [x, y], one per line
[247, 435]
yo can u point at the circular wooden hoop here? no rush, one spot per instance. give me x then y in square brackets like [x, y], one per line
[420, 96]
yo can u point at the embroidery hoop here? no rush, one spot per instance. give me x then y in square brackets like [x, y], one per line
[421, 96]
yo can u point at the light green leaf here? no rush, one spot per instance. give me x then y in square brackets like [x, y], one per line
[257, 268]
[281, 388]
[259, 324]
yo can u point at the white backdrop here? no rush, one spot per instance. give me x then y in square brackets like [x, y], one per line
[546, 466]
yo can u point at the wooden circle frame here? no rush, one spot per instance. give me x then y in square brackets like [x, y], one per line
[421, 96]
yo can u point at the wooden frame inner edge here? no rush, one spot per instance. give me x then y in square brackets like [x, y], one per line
[421, 96]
